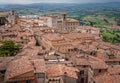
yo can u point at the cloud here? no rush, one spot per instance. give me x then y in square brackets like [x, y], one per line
[53, 1]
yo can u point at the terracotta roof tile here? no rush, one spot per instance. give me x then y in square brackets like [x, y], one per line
[94, 62]
[114, 69]
[4, 61]
[78, 35]
[39, 65]
[3, 14]
[18, 67]
[52, 37]
[72, 20]
[59, 70]
[98, 65]
[104, 57]
[106, 78]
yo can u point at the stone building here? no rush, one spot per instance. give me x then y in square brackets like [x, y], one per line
[61, 74]
[89, 67]
[63, 42]
[88, 29]
[23, 70]
[52, 21]
[111, 76]
[10, 16]
[63, 23]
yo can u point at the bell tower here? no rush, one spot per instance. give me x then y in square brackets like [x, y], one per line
[12, 17]
[12, 12]
[64, 18]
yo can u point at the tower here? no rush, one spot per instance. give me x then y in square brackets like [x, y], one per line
[12, 17]
[12, 12]
[64, 18]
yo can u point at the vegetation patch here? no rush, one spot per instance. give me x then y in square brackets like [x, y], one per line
[8, 48]
[110, 36]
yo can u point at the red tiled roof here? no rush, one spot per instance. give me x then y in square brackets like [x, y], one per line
[52, 37]
[4, 61]
[39, 65]
[3, 14]
[107, 58]
[94, 62]
[98, 65]
[106, 78]
[114, 69]
[18, 67]
[69, 20]
[59, 70]
[72, 20]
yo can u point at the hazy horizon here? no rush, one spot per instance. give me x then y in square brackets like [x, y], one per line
[54, 1]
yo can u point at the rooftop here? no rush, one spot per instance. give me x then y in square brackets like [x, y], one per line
[106, 78]
[69, 20]
[114, 69]
[4, 61]
[52, 37]
[18, 67]
[94, 62]
[39, 65]
[72, 20]
[59, 70]
[3, 14]
[77, 35]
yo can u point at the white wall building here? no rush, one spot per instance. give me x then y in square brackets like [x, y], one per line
[63, 23]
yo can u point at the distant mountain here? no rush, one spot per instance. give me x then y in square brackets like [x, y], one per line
[59, 6]
[99, 14]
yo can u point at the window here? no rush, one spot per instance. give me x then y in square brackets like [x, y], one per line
[28, 81]
[100, 70]
[40, 75]
[91, 53]
[84, 66]
[81, 72]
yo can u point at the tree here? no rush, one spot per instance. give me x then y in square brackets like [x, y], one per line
[110, 55]
[110, 36]
[3, 20]
[91, 24]
[8, 48]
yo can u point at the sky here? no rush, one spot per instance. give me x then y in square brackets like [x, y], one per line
[53, 1]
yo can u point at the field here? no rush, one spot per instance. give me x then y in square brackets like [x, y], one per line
[103, 15]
